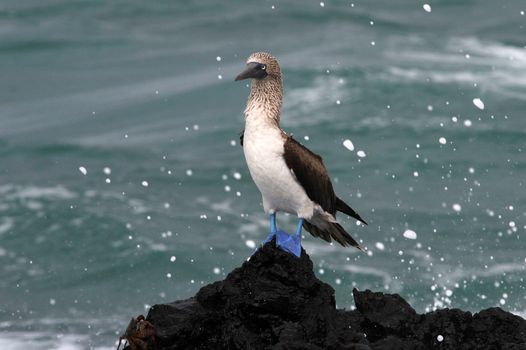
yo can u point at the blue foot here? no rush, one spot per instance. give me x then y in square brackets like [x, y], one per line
[280, 236]
[289, 243]
[269, 238]
[284, 241]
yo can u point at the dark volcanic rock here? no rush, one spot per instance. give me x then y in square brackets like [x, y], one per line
[383, 313]
[274, 301]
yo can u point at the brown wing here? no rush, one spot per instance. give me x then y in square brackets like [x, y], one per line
[313, 177]
[311, 174]
[344, 208]
[331, 231]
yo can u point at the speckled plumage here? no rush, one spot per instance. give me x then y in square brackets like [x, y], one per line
[266, 95]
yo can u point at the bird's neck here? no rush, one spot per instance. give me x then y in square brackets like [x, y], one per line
[265, 100]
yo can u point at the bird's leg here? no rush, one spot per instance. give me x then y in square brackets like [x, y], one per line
[299, 227]
[292, 243]
[273, 229]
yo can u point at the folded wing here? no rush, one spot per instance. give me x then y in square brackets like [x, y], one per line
[312, 175]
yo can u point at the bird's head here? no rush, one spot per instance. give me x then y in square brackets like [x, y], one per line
[260, 65]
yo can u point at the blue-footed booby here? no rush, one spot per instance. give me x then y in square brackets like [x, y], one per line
[289, 176]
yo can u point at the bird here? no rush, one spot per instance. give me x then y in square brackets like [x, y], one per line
[290, 177]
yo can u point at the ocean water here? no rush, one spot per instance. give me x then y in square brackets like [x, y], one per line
[141, 96]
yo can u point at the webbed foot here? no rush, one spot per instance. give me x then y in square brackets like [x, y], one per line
[289, 243]
[280, 236]
[285, 242]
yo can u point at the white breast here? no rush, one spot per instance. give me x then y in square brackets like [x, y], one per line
[263, 147]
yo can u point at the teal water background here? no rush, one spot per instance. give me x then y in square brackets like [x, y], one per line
[141, 95]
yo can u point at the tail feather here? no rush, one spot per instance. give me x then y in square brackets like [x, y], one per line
[329, 231]
[344, 208]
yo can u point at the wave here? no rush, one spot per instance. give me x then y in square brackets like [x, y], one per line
[300, 103]
[46, 340]
[493, 66]
[370, 271]
[6, 224]
[12, 192]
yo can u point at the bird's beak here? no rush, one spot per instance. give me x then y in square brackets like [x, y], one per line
[249, 72]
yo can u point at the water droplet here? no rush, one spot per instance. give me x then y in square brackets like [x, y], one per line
[348, 144]
[478, 103]
[380, 246]
[409, 234]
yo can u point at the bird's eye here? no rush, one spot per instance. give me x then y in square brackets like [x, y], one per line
[263, 67]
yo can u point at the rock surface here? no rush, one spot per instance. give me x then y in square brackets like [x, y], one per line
[274, 301]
